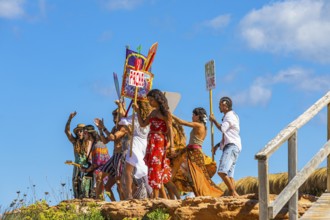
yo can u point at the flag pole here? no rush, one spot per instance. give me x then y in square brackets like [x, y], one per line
[133, 121]
[137, 65]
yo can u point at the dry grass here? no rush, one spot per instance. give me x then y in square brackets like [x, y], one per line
[314, 185]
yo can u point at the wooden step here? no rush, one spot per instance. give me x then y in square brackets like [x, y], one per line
[320, 209]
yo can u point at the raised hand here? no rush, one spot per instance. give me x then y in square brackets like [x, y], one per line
[135, 107]
[72, 114]
[212, 118]
[117, 102]
[99, 123]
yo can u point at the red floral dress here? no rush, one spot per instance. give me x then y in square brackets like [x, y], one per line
[159, 171]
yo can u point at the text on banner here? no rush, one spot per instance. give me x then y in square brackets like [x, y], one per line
[136, 78]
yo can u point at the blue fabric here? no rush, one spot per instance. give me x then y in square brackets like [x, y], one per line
[228, 160]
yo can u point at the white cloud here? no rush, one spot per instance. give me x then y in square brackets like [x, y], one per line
[121, 4]
[260, 91]
[218, 22]
[257, 94]
[298, 27]
[215, 24]
[11, 9]
[302, 79]
[15, 9]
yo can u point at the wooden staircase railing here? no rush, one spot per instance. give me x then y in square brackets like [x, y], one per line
[269, 210]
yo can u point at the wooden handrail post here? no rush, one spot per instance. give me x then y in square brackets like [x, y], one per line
[292, 172]
[263, 189]
[289, 194]
[328, 158]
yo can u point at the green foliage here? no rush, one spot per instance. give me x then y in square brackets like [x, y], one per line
[157, 214]
[42, 211]
[131, 218]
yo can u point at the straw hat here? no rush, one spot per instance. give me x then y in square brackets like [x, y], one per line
[79, 127]
[90, 129]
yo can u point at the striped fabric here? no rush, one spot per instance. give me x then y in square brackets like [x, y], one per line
[113, 166]
[142, 189]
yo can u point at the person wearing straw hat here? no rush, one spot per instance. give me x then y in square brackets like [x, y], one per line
[80, 151]
[99, 156]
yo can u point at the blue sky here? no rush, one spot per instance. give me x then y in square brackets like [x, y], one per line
[56, 57]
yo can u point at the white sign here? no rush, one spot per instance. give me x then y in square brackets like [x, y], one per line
[210, 75]
[173, 99]
[136, 78]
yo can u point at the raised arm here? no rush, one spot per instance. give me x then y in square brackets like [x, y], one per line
[100, 125]
[110, 136]
[186, 123]
[67, 128]
[121, 108]
[113, 136]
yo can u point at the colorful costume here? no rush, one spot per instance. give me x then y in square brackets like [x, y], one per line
[158, 170]
[100, 156]
[200, 180]
[80, 189]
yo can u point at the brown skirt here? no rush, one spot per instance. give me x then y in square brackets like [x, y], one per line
[201, 182]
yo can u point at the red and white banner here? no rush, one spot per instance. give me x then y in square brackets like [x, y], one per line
[136, 78]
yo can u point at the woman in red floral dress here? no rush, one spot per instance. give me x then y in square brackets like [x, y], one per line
[160, 137]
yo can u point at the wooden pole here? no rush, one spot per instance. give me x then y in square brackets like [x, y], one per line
[263, 189]
[212, 128]
[133, 119]
[292, 170]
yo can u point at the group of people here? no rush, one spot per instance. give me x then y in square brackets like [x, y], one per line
[143, 155]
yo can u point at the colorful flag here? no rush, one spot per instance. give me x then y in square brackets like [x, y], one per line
[135, 61]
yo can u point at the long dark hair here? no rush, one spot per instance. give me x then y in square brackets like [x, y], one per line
[79, 146]
[202, 115]
[161, 100]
